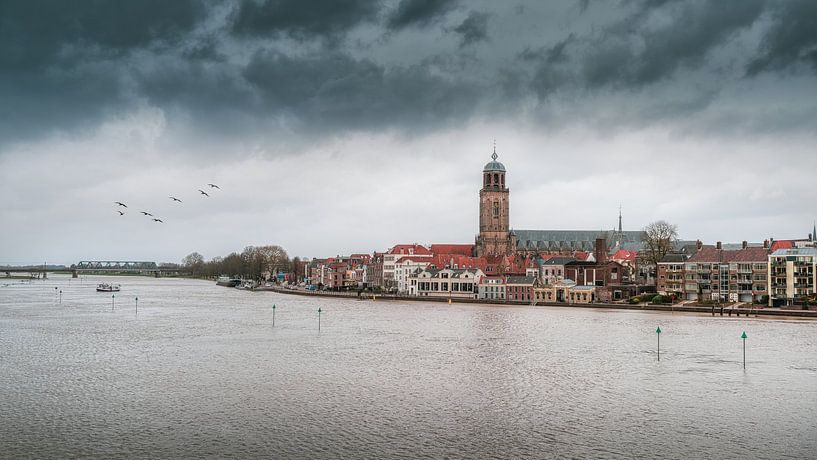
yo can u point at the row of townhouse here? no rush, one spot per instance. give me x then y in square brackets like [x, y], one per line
[338, 272]
[782, 273]
[529, 289]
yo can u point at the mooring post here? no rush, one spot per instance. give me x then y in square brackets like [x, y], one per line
[658, 333]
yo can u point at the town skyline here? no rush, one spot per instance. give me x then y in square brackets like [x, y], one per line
[364, 124]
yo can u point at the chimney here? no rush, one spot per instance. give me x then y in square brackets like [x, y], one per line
[718, 245]
[601, 250]
[765, 244]
[745, 245]
[699, 245]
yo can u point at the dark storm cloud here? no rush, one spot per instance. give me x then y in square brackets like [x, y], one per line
[42, 33]
[63, 64]
[640, 50]
[419, 13]
[791, 39]
[234, 69]
[335, 90]
[473, 29]
[323, 18]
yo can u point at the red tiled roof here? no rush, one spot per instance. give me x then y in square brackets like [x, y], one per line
[412, 259]
[782, 244]
[720, 255]
[751, 255]
[460, 261]
[581, 255]
[625, 254]
[416, 249]
[461, 249]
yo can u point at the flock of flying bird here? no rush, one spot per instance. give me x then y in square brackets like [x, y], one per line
[155, 219]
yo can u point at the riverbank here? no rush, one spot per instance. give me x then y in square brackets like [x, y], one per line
[721, 311]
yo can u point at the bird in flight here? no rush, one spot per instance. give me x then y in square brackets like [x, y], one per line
[158, 220]
[214, 186]
[146, 213]
[120, 204]
[175, 199]
[203, 192]
[120, 213]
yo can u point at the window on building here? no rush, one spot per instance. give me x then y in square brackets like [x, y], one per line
[496, 208]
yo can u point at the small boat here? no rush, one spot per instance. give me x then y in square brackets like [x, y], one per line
[105, 287]
[227, 281]
[249, 285]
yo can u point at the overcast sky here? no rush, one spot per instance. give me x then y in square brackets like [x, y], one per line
[344, 126]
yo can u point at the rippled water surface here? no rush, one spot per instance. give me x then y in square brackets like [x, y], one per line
[201, 371]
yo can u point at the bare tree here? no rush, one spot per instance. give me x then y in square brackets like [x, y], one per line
[194, 262]
[659, 239]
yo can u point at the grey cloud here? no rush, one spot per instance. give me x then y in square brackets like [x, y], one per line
[473, 29]
[791, 39]
[37, 34]
[419, 13]
[635, 52]
[323, 18]
[335, 90]
[235, 71]
[64, 65]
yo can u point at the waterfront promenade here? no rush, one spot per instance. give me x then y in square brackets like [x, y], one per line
[750, 310]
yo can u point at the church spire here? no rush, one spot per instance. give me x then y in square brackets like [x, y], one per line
[619, 219]
[494, 155]
[814, 232]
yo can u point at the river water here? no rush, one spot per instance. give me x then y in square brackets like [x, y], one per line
[200, 371]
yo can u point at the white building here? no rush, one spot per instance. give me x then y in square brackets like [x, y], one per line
[447, 283]
[492, 288]
[390, 258]
[404, 268]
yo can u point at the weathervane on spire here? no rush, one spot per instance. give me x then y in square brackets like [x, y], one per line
[494, 155]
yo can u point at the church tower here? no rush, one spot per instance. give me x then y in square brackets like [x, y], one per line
[494, 238]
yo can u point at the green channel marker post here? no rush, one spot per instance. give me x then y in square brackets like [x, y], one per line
[137, 306]
[658, 333]
[113, 296]
[319, 319]
[60, 296]
[273, 315]
[744, 336]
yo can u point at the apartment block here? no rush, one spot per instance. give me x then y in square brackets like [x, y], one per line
[792, 275]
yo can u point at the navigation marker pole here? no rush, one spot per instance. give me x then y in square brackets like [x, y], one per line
[137, 306]
[743, 336]
[658, 333]
[60, 296]
[319, 319]
[273, 315]
[113, 296]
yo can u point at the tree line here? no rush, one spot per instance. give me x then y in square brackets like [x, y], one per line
[254, 262]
